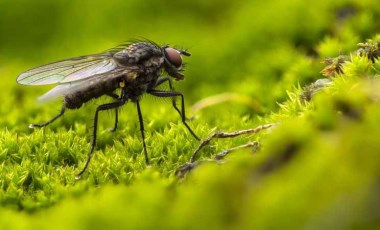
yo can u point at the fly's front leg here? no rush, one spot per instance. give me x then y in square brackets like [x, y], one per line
[173, 94]
[50, 121]
[108, 106]
[167, 79]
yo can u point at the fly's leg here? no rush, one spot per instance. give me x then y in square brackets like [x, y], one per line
[163, 80]
[113, 129]
[175, 105]
[50, 121]
[173, 94]
[93, 143]
[142, 131]
[115, 96]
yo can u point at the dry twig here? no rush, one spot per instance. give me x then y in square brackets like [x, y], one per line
[192, 162]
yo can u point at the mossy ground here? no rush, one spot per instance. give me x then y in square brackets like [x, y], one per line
[318, 169]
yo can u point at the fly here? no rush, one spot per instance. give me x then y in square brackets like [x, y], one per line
[134, 68]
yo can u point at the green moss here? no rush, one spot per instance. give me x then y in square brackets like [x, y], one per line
[252, 63]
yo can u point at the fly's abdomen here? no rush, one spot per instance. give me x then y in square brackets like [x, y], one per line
[93, 90]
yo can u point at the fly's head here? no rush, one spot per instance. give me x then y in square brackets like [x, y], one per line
[173, 61]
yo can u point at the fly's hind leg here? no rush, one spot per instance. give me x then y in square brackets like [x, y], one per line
[115, 96]
[113, 129]
[50, 121]
[108, 106]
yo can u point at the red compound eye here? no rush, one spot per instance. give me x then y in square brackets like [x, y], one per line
[174, 57]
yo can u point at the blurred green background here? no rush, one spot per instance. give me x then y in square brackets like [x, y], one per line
[250, 55]
[241, 46]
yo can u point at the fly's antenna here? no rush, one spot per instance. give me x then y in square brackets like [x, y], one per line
[184, 52]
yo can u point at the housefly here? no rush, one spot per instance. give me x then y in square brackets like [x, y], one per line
[135, 68]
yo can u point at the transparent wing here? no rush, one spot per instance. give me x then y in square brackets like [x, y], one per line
[69, 70]
[60, 90]
[67, 88]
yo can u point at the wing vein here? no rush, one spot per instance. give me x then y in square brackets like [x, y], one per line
[68, 70]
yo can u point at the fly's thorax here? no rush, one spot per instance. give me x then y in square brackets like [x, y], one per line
[131, 76]
[145, 73]
[154, 62]
[137, 53]
[136, 83]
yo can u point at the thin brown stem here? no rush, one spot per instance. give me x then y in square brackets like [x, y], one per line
[228, 135]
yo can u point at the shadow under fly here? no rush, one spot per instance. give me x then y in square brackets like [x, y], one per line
[135, 68]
